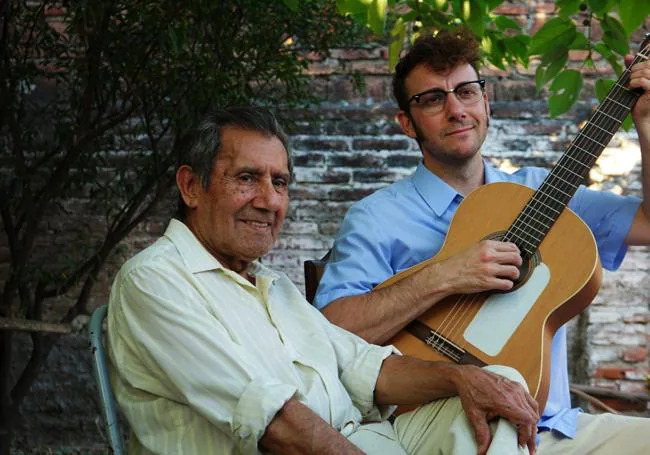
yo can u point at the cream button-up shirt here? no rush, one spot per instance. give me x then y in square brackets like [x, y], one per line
[201, 359]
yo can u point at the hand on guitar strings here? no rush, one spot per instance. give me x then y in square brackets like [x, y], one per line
[486, 396]
[489, 265]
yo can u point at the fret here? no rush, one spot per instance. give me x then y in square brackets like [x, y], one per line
[527, 234]
[587, 167]
[551, 197]
[524, 223]
[559, 166]
[594, 141]
[596, 126]
[548, 206]
[583, 150]
[552, 175]
[615, 102]
[539, 212]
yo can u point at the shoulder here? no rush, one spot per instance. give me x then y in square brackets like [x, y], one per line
[159, 258]
[388, 198]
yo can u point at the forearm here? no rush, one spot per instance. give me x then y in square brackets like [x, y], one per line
[296, 429]
[407, 380]
[378, 315]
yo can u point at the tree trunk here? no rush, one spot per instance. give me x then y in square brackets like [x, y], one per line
[6, 417]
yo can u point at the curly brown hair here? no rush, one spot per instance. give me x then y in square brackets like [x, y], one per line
[442, 52]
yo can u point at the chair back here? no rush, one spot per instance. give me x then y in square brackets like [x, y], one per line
[314, 269]
[109, 409]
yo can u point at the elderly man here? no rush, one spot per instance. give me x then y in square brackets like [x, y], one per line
[212, 352]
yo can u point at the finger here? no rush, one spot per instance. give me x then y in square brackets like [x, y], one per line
[510, 272]
[481, 433]
[505, 246]
[532, 441]
[524, 433]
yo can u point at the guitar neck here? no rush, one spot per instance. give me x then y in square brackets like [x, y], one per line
[548, 202]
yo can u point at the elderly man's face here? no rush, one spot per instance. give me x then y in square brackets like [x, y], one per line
[239, 217]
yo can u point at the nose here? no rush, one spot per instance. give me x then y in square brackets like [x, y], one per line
[268, 197]
[454, 108]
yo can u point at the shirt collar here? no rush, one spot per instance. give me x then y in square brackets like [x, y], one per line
[437, 193]
[197, 259]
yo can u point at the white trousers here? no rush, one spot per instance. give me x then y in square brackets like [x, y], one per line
[439, 427]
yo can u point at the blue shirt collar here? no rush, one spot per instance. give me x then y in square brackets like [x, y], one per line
[437, 193]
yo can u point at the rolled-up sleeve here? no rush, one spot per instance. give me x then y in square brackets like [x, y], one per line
[609, 216]
[261, 400]
[182, 352]
[359, 366]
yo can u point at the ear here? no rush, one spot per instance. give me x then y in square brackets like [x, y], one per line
[189, 185]
[405, 122]
[487, 105]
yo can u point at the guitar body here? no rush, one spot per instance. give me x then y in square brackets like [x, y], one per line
[514, 328]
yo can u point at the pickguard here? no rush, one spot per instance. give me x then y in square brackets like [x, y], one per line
[501, 314]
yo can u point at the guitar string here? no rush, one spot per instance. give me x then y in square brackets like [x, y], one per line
[603, 136]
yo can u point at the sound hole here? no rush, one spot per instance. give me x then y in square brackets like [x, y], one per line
[527, 266]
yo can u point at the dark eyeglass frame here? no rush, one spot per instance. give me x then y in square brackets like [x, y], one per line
[454, 90]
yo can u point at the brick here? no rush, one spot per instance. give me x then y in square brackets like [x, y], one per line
[313, 175]
[351, 194]
[311, 159]
[380, 144]
[320, 144]
[357, 159]
[635, 354]
[611, 372]
[370, 176]
[403, 160]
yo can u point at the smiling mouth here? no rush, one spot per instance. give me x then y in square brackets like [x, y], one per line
[460, 131]
[257, 224]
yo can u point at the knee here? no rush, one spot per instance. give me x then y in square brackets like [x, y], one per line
[507, 372]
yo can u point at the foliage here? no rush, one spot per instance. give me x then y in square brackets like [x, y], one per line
[95, 98]
[601, 28]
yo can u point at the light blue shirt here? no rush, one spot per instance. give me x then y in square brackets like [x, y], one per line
[406, 223]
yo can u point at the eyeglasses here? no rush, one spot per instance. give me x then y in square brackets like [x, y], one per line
[433, 100]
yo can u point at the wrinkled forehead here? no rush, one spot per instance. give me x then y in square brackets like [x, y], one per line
[253, 149]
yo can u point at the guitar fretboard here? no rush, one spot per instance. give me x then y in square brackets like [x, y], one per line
[540, 213]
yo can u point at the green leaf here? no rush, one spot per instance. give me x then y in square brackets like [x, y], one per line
[567, 8]
[492, 4]
[397, 35]
[556, 32]
[603, 86]
[580, 43]
[377, 16]
[565, 91]
[556, 66]
[540, 79]
[597, 6]
[518, 47]
[505, 23]
[292, 5]
[627, 123]
[473, 13]
[614, 36]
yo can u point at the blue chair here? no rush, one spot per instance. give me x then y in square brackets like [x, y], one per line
[103, 382]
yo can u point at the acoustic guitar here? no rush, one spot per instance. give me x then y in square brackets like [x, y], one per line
[561, 271]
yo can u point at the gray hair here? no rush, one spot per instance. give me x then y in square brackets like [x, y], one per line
[203, 143]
